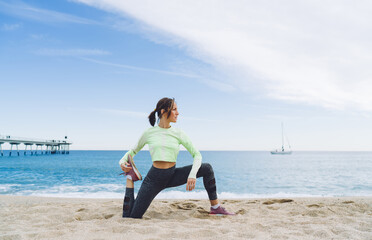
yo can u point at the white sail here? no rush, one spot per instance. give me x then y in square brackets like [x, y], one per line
[282, 151]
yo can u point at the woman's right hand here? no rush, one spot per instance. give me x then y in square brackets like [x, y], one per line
[125, 167]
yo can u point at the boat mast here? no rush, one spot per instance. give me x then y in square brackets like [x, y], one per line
[282, 139]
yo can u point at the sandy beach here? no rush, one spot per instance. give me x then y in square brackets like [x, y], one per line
[295, 218]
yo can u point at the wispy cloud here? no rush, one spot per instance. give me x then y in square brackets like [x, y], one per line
[140, 68]
[315, 52]
[71, 52]
[10, 27]
[212, 83]
[223, 87]
[24, 10]
[38, 36]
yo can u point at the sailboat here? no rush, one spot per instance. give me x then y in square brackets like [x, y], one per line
[282, 151]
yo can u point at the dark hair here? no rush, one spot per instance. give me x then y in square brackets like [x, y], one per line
[164, 103]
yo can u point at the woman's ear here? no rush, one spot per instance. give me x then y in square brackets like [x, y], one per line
[162, 111]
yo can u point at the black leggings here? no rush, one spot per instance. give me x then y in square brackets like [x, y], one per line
[158, 179]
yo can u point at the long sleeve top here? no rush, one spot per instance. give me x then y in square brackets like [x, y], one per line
[164, 146]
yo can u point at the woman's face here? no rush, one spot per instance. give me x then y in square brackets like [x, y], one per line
[174, 113]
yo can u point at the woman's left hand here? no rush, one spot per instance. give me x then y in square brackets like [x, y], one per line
[190, 184]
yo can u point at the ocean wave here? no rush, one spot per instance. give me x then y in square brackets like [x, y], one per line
[6, 188]
[100, 194]
[117, 191]
[77, 191]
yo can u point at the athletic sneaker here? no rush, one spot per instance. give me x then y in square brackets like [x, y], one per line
[134, 173]
[220, 211]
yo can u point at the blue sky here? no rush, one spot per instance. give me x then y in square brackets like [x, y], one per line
[94, 70]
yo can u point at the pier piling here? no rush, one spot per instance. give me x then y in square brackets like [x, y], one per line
[1, 148]
[28, 144]
[51, 146]
[11, 148]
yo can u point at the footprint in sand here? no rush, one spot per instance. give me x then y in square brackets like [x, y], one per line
[184, 206]
[241, 211]
[230, 201]
[273, 208]
[315, 205]
[81, 210]
[107, 216]
[202, 210]
[348, 202]
[277, 201]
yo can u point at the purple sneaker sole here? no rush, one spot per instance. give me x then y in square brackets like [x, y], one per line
[134, 173]
[220, 211]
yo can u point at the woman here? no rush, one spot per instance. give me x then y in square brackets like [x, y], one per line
[164, 141]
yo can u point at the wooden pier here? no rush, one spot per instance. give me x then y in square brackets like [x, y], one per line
[51, 146]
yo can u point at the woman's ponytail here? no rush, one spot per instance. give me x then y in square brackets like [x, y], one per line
[164, 103]
[152, 118]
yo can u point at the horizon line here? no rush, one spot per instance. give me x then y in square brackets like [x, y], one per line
[232, 150]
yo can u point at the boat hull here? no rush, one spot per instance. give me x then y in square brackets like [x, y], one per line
[281, 152]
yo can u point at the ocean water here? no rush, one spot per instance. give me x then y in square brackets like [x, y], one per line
[239, 174]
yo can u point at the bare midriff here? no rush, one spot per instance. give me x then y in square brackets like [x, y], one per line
[163, 165]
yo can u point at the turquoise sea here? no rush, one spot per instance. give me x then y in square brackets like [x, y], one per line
[239, 174]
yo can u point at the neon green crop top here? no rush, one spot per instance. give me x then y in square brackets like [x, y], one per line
[164, 146]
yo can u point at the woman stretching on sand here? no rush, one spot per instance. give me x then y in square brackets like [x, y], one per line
[164, 141]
